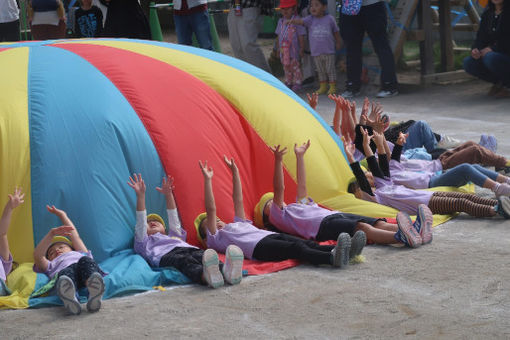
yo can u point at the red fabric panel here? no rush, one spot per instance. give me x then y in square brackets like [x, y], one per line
[189, 121]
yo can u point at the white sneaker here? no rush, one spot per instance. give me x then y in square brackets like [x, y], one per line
[95, 286]
[386, 93]
[67, 293]
[211, 269]
[233, 267]
[340, 254]
[448, 142]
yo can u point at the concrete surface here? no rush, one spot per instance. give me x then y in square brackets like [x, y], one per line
[458, 287]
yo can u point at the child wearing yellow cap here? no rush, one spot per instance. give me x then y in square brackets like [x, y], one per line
[5, 255]
[62, 252]
[171, 250]
[258, 244]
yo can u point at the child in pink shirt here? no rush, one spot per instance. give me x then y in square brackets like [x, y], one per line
[171, 250]
[62, 252]
[5, 255]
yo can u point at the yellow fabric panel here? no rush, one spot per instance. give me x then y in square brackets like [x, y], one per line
[21, 282]
[15, 150]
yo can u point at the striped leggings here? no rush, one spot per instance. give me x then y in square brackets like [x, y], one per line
[326, 70]
[443, 203]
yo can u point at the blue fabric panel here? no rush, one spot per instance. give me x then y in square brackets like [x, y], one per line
[81, 162]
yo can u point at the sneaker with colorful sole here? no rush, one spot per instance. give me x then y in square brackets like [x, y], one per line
[233, 267]
[340, 254]
[67, 293]
[423, 223]
[406, 232]
[211, 269]
[95, 286]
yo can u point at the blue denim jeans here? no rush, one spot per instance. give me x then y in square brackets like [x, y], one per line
[198, 23]
[494, 68]
[463, 174]
[420, 134]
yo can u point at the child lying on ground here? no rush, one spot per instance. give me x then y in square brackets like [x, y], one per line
[310, 221]
[409, 200]
[62, 252]
[260, 244]
[5, 254]
[162, 250]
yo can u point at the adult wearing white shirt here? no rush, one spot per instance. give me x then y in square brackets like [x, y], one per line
[9, 20]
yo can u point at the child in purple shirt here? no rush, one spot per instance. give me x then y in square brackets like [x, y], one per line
[324, 38]
[410, 200]
[171, 250]
[5, 221]
[259, 244]
[291, 43]
[62, 252]
[310, 221]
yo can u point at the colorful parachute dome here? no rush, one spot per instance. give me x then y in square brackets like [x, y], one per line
[79, 117]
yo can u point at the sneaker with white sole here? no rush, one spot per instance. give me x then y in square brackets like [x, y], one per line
[387, 93]
[95, 286]
[423, 223]
[489, 142]
[233, 267]
[211, 269]
[448, 142]
[358, 241]
[340, 254]
[67, 293]
[504, 207]
[406, 232]
[502, 189]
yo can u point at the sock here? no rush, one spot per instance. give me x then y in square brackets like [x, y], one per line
[507, 163]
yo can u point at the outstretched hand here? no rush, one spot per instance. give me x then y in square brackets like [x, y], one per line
[313, 99]
[402, 138]
[365, 107]
[230, 163]
[64, 230]
[278, 151]
[207, 171]
[378, 138]
[366, 137]
[349, 147]
[300, 150]
[167, 186]
[55, 211]
[137, 183]
[16, 198]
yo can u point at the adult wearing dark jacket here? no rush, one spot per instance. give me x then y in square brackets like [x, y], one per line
[490, 56]
[125, 19]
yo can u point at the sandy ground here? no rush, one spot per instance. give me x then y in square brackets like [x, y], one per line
[458, 287]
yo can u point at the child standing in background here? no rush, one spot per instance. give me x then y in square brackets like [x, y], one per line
[324, 38]
[88, 21]
[5, 255]
[290, 43]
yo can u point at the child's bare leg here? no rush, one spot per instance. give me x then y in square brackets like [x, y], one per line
[386, 226]
[375, 235]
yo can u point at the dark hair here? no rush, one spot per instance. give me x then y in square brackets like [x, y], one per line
[323, 2]
[201, 231]
[353, 187]
[506, 6]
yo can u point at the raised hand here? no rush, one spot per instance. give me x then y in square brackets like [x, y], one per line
[402, 138]
[136, 182]
[207, 171]
[300, 150]
[64, 230]
[377, 108]
[16, 198]
[313, 99]
[348, 147]
[230, 163]
[366, 106]
[366, 137]
[378, 138]
[55, 211]
[167, 186]
[279, 151]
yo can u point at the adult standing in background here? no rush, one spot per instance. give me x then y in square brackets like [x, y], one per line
[191, 16]
[125, 19]
[9, 20]
[490, 56]
[244, 20]
[47, 19]
[358, 17]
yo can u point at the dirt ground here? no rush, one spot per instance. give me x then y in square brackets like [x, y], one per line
[458, 287]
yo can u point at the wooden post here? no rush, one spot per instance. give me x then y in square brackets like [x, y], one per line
[445, 33]
[426, 46]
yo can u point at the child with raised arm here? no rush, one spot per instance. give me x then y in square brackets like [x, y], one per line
[5, 254]
[386, 192]
[306, 219]
[171, 250]
[258, 244]
[62, 252]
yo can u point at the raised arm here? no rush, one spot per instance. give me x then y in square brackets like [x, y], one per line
[313, 99]
[278, 181]
[210, 205]
[382, 149]
[300, 169]
[372, 163]
[397, 149]
[78, 244]
[167, 189]
[40, 259]
[355, 167]
[14, 200]
[237, 188]
[137, 183]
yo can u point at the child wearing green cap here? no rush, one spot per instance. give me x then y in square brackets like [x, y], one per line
[171, 250]
[258, 244]
[62, 252]
[5, 255]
